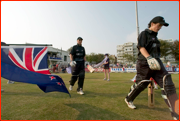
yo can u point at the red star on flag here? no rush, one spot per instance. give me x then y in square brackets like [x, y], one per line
[58, 83]
[52, 77]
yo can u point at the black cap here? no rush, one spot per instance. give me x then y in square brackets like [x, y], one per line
[106, 54]
[79, 38]
[159, 19]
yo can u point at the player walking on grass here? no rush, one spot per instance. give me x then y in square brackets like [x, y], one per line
[78, 58]
[149, 65]
[106, 68]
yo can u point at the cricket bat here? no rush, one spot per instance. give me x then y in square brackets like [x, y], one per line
[90, 68]
[151, 94]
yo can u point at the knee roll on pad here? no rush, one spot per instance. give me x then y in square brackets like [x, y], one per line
[168, 85]
[139, 88]
[82, 74]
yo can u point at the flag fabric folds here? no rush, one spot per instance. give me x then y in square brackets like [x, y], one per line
[101, 63]
[68, 69]
[28, 64]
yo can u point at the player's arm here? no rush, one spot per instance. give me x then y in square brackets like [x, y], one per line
[144, 52]
[105, 62]
[72, 63]
[84, 58]
[153, 63]
[84, 53]
[71, 54]
[71, 57]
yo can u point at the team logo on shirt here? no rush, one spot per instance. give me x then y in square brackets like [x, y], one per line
[153, 38]
[154, 45]
[78, 50]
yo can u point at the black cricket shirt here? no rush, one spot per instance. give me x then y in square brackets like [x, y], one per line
[78, 53]
[148, 39]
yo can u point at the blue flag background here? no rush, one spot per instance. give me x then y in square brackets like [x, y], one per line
[29, 65]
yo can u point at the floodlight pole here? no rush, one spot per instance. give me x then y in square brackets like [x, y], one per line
[137, 25]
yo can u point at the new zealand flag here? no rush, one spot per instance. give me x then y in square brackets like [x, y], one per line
[29, 64]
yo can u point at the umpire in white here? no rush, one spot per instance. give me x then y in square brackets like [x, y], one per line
[78, 58]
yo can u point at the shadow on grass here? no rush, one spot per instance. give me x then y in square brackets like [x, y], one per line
[94, 78]
[38, 94]
[162, 110]
[109, 95]
[65, 95]
[89, 112]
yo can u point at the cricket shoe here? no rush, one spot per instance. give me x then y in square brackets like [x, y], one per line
[70, 87]
[80, 92]
[104, 78]
[175, 116]
[130, 104]
[108, 80]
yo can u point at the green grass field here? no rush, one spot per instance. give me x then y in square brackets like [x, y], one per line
[102, 101]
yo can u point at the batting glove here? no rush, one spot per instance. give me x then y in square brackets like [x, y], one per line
[153, 63]
[73, 63]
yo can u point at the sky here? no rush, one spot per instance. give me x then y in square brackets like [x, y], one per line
[102, 24]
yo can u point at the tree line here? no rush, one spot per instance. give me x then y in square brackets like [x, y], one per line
[94, 58]
[167, 48]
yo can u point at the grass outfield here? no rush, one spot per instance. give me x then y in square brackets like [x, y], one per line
[102, 101]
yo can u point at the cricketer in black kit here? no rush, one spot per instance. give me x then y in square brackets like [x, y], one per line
[149, 65]
[78, 58]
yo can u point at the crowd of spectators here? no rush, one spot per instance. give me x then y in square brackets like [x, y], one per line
[60, 68]
[57, 68]
[169, 65]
